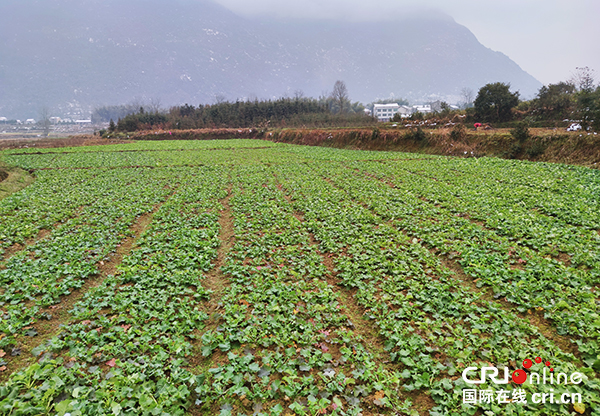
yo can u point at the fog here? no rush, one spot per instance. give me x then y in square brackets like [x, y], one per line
[547, 38]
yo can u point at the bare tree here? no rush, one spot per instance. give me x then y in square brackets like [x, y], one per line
[154, 105]
[220, 99]
[44, 122]
[583, 79]
[340, 94]
[467, 95]
[298, 94]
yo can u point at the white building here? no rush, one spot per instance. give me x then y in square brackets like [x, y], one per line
[385, 112]
[422, 108]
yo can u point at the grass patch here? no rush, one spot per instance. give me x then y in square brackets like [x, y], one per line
[13, 179]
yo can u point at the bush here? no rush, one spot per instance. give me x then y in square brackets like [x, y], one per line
[417, 116]
[417, 135]
[458, 133]
[521, 133]
[537, 148]
[375, 134]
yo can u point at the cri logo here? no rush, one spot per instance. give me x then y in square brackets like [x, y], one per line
[518, 376]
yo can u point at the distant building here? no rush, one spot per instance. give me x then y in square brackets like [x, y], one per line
[438, 106]
[385, 112]
[83, 121]
[422, 108]
[405, 111]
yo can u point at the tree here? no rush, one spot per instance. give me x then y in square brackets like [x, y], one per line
[340, 94]
[555, 101]
[154, 105]
[583, 79]
[494, 102]
[111, 126]
[44, 122]
[467, 96]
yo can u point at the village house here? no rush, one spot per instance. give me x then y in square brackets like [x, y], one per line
[385, 112]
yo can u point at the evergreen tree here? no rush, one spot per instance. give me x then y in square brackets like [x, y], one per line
[494, 102]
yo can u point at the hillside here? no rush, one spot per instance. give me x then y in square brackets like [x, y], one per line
[73, 54]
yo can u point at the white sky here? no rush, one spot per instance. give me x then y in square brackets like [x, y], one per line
[547, 38]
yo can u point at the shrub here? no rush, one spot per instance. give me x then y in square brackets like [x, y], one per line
[375, 134]
[521, 132]
[417, 135]
[458, 133]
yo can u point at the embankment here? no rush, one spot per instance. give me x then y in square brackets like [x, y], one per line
[541, 144]
[544, 145]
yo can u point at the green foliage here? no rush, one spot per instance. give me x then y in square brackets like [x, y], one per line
[284, 112]
[418, 135]
[588, 108]
[521, 132]
[417, 115]
[141, 120]
[555, 101]
[494, 102]
[375, 134]
[299, 223]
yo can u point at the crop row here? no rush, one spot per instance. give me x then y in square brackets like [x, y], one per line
[434, 326]
[158, 158]
[339, 155]
[524, 276]
[144, 145]
[545, 216]
[43, 273]
[125, 351]
[287, 341]
[50, 199]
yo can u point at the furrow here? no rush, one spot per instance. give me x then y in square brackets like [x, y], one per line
[524, 276]
[58, 315]
[282, 323]
[433, 324]
[357, 313]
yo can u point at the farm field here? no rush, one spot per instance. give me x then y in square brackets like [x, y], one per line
[249, 277]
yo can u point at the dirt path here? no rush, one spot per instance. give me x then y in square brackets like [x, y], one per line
[216, 282]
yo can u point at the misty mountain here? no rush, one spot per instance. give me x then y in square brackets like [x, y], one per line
[71, 54]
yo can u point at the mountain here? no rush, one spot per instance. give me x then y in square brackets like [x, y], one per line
[68, 54]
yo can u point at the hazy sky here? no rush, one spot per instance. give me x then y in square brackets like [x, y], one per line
[547, 38]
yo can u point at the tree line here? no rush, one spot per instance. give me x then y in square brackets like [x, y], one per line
[290, 112]
[329, 110]
[577, 99]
